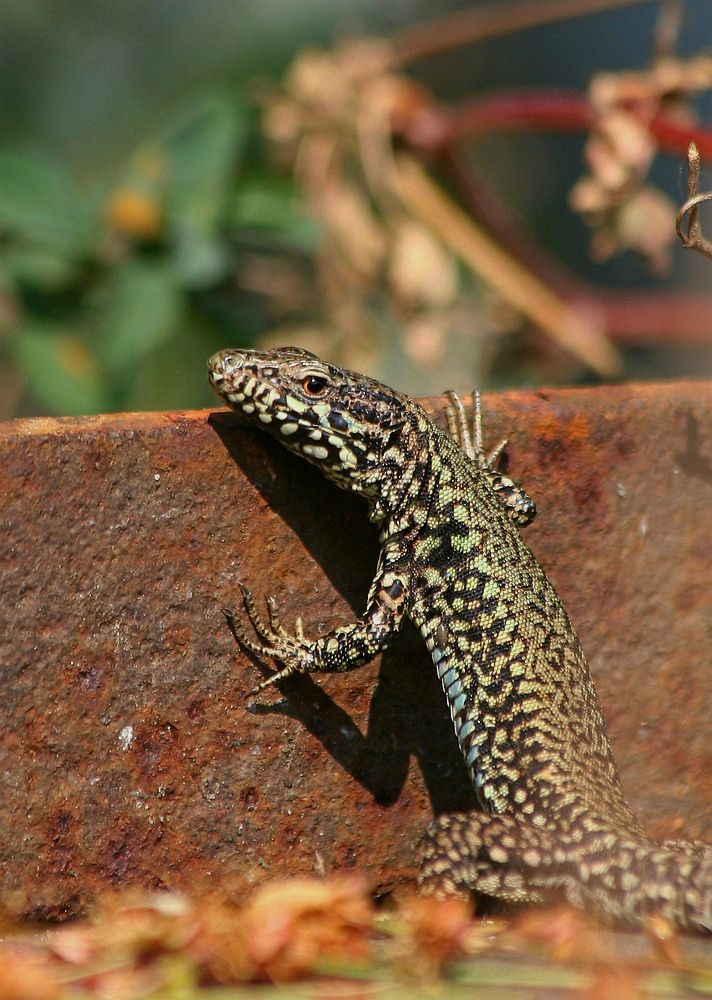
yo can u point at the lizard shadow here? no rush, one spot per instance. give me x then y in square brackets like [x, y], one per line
[408, 712]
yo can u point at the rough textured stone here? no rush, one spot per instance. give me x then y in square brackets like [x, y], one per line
[129, 751]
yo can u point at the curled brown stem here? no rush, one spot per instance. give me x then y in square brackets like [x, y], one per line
[694, 239]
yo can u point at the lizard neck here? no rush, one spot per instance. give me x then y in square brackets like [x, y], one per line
[406, 474]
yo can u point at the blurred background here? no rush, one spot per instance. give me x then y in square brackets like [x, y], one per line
[484, 197]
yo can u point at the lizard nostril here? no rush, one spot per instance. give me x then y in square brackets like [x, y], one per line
[224, 362]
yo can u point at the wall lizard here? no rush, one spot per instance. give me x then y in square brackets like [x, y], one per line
[554, 821]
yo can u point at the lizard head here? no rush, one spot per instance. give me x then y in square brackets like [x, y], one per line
[345, 423]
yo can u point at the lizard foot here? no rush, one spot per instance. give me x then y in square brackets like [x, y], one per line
[519, 506]
[294, 652]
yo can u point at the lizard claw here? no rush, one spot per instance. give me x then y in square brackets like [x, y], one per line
[275, 678]
[294, 652]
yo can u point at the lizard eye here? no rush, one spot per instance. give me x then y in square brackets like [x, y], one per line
[314, 385]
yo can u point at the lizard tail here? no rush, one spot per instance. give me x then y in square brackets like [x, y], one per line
[609, 872]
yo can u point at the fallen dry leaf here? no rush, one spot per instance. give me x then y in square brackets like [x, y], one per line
[133, 926]
[26, 977]
[295, 923]
[429, 932]
[615, 983]
[565, 933]
[286, 929]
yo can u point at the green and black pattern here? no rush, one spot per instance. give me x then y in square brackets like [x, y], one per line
[523, 704]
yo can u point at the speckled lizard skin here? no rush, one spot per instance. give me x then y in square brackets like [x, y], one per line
[554, 821]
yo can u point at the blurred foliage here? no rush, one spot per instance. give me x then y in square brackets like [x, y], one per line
[308, 938]
[113, 298]
[117, 282]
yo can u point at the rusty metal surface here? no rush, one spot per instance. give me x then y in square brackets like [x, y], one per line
[129, 752]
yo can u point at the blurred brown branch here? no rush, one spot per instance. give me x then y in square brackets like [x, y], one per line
[467, 27]
[577, 332]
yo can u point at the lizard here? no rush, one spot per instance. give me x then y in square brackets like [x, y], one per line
[553, 821]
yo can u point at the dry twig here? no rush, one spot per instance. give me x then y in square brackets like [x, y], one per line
[694, 240]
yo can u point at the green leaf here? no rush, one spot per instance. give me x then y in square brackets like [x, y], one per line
[204, 145]
[198, 261]
[38, 268]
[39, 205]
[58, 368]
[274, 205]
[142, 311]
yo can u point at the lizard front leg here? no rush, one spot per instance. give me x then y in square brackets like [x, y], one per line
[342, 649]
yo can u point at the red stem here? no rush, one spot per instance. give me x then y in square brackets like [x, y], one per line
[542, 110]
